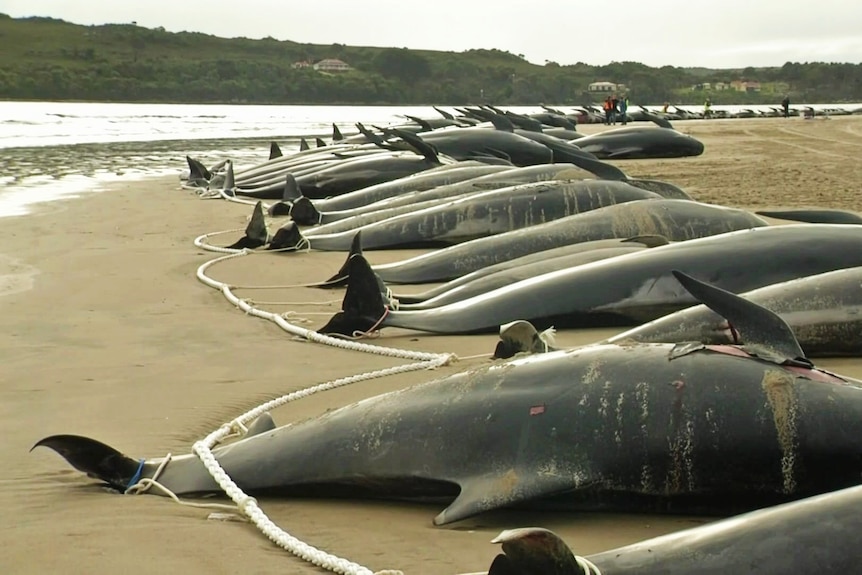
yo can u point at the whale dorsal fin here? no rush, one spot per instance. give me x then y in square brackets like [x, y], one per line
[336, 134]
[343, 274]
[256, 234]
[765, 333]
[229, 187]
[262, 424]
[416, 143]
[423, 123]
[291, 192]
[274, 150]
[444, 113]
[364, 305]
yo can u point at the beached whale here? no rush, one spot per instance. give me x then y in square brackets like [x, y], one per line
[623, 290]
[505, 273]
[526, 267]
[816, 534]
[466, 217]
[634, 142]
[407, 192]
[656, 427]
[814, 216]
[824, 310]
[676, 220]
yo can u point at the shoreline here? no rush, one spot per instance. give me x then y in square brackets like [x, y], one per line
[117, 340]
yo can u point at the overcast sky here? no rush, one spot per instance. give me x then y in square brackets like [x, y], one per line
[714, 34]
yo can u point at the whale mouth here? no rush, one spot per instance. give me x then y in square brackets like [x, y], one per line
[94, 458]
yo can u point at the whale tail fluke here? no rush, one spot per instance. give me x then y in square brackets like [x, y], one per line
[536, 550]
[303, 212]
[765, 333]
[94, 458]
[365, 302]
[199, 175]
[522, 337]
[342, 275]
[287, 238]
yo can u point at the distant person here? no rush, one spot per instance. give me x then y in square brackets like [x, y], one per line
[624, 107]
[608, 106]
[785, 104]
[707, 109]
[665, 107]
[615, 103]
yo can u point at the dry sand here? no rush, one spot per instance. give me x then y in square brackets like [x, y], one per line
[107, 333]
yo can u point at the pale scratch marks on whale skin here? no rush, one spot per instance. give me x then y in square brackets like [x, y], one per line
[642, 390]
[592, 372]
[681, 445]
[620, 410]
[681, 474]
[781, 395]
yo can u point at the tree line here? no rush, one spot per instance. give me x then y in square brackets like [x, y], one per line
[50, 59]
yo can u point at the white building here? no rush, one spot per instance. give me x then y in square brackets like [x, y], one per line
[608, 87]
[331, 65]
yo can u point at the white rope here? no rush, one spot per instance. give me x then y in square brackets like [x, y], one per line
[588, 567]
[247, 505]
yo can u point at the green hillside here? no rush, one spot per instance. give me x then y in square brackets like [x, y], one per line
[49, 59]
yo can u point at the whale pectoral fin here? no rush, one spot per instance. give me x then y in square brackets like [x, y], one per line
[495, 491]
[622, 152]
[94, 458]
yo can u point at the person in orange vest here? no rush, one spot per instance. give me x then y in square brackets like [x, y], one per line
[609, 110]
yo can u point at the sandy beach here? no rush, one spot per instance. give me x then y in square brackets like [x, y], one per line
[107, 333]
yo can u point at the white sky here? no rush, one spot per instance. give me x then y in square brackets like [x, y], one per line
[712, 34]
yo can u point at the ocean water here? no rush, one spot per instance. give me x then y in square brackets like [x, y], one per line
[57, 150]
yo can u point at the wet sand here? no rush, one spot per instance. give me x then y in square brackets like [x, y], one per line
[107, 333]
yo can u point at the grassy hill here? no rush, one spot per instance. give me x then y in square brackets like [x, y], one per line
[46, 58]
